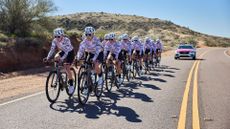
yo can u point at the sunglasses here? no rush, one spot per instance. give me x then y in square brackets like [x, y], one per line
[135, 40]
[111, 39]
[57, 36]
[88, 34]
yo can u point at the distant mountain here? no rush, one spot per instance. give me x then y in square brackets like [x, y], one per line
[170, 33]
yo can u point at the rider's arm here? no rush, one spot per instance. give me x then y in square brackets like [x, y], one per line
[52, 49]
[80, 51]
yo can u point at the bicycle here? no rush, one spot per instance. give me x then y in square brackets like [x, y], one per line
[110, 76]
[126, 71]
[136, 67]
[87, 83]
[57, 81]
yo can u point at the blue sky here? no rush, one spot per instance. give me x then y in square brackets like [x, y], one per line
[205, 16]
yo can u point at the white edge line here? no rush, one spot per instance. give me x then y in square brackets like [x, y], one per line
[22, 98]
[225, 53]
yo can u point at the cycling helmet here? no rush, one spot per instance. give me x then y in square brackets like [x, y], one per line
[147, 39]
[112, 35]
[58, 32]
[158, 40]
[89, 30]
[135, 38]
[125, 36]
[106, 36]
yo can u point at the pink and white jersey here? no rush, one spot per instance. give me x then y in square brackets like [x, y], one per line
[93, 47]
[138, 46]
[65, 46]
[113, 48]
[127, 46]
[153, 46]
[159, 45]
[148, 45]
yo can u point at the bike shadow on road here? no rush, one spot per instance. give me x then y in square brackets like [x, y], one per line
[107, 104]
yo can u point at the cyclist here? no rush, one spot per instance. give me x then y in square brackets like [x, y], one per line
[106, 38]
[92, 48]
[138, 50]
[147, 48]
[126, 48]
[159, 47]
[153, 46]
[66, 53]
[112, 51]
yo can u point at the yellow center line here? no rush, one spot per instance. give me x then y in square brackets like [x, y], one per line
[183, 111]
[195, 111]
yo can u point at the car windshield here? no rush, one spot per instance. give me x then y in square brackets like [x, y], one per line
[185, 47]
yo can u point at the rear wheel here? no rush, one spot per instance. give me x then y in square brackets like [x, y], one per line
[52, 87]
[83, 88]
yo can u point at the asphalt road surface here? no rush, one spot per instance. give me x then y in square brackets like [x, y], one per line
[179, 94]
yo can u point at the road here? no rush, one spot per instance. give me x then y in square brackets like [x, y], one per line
[180, 94]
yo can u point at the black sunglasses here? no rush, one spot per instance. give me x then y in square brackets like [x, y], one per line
[57, 36]
[87, 34]
[135, 40]
[111, 39]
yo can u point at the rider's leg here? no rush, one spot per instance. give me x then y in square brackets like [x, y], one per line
[69, 74]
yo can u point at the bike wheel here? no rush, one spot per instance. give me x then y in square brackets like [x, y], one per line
[134, 70]
[83, 88]
[98, 89]
[52, 87]
[72, 70]
[109, 79]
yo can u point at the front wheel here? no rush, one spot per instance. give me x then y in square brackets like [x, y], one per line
[109, 78]
[83, 88]
[52, 87]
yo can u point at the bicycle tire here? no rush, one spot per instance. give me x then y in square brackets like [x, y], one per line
[108, 80]
[82, 86]
[56, 87]
[98, 90]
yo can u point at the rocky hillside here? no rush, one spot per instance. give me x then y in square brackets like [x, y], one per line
[169, 32]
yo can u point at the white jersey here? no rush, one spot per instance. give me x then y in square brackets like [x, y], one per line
[65, 46]
[93, 47]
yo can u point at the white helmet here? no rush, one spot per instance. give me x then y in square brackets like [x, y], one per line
[106, 36]
[58, 32]
[140, 40]
[89, 30]
[158, 40]
[147, 39]
[125, 36]
[112, 35]
[135, 38]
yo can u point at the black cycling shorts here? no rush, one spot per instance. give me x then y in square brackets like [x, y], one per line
[89, 56]
[70, 57]
[147, 51]
[114, 56]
